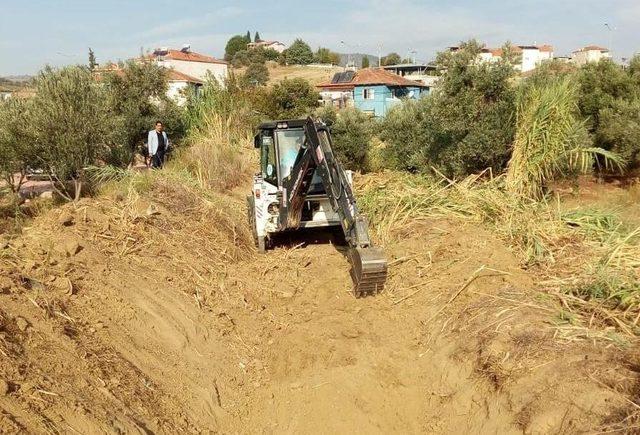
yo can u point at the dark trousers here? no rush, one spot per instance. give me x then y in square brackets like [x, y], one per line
[157, 161]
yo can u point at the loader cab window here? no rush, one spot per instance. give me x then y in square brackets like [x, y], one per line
[289, 143]
[268, 160]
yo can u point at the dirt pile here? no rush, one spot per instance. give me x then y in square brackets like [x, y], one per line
[150, 312]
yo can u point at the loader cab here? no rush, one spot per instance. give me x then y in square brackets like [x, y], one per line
[279, 143]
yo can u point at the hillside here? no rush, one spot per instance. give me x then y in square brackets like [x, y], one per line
[147, 310]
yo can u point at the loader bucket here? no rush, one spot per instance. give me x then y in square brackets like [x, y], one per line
[368, 270]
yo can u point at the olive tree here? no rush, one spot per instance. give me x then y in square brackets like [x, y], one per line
[17, 151]
[69, 125]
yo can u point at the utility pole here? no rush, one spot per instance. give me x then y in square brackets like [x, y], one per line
[611, 29]
[380, 55]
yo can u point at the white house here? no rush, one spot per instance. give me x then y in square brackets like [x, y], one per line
[180, 85]
[196, 65]
[273, 45]
[590, 53]
[528, 56]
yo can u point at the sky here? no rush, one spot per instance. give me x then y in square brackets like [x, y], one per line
[35, 33]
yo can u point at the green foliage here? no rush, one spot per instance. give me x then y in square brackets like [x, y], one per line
[609, 100]
[70, 124]
[327, 114]
[257, 38]
[465, 126]
[601, 84]
[219, 138]
[620, 130]
[92, 60]
[551, 140]
[235, 44]
[352, 133]
[257, 74]
[135, 98]
[290, 98]
[17, 153]
[391, 59]
[269, 53]
[324, 55]
[365, 62]
[299, 53]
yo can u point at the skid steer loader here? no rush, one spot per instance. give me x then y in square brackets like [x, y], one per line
[302, 185]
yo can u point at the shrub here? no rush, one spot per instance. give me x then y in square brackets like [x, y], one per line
[465, 126]
[16, 142]
[290, 98]
[551, 140]
[70, 124]
[620, 131]
[352, 133]
[235, 44]
[135, 99]
[324, 55]
[257, 74]
[219, 137]
[299, 53]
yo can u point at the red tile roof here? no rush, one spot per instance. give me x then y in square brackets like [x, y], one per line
[593, 48]
[177, 76]
[188, 56]
[372, 76]
[546, 48]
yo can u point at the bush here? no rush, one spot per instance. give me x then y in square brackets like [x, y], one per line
[235, 44]
[324, 55]
[257, 74]
[620, 131]
[465, 126]
[551, 140]
[299, 53]
[136, 99]
[219, 137]
[290, 98]
[17, 153]
[352, 133]
[70, 124]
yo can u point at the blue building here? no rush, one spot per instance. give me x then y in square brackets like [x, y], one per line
[371, 90]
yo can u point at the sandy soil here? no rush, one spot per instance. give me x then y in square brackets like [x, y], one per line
[144, 315]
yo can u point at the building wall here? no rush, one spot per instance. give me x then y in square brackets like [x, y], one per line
[584, 57]
[178, 91]
[383, 98]
[199, 70]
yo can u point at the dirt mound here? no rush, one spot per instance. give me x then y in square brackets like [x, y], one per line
[151, 313]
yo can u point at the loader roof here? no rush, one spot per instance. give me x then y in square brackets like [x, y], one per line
[291, 123]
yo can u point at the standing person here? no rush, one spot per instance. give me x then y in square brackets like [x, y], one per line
[158, 144]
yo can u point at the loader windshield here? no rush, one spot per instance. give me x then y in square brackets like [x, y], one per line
[289, 143]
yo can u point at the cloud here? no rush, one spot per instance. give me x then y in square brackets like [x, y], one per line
[201, 22]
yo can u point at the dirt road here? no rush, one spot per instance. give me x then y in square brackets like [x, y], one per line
[125, 322]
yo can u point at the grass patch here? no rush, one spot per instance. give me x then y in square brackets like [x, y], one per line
[586, 256]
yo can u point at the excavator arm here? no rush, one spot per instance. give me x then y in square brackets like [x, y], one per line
[368, 264]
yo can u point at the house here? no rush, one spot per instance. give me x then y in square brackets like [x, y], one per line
[273, 45]
[180, 85]
[590, 53]
[372, 90]
[423, 73]
[196, 65]
[528, 57]
[5, 95]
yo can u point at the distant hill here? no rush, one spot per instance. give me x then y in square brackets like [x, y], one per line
[357, 58]
[17, 79]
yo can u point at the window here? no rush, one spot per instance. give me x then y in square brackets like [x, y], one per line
[268, 157]
[369, 94]
[289, 143]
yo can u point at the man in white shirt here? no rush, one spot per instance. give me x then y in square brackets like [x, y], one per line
[158, 144]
